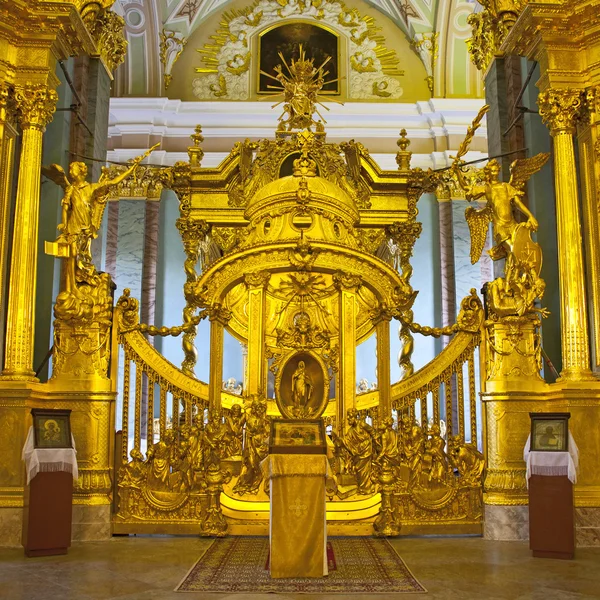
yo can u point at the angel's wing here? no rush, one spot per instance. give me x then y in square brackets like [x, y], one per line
[57, 174]
[523, 168]
[478, 222]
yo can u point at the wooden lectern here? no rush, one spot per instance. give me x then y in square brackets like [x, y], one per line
[551, 466]
[298, 527]
[51, 465]
[551, 517]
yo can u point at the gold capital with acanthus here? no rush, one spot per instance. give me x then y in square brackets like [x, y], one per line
[192, 233]
[258, 279]
[217, 312]
[561, 109]
[35, 105]
[346, 281]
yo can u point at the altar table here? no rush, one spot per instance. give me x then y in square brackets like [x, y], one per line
[298, 526]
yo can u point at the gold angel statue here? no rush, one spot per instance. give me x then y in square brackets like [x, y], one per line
[516, 292]
[83, 207]
[501, 198]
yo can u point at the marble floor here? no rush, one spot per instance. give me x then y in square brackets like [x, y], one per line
[148, 568]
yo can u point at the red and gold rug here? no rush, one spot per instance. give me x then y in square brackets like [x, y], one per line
[363, 565]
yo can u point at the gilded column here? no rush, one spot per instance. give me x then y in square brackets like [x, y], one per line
[383, 367]
[7, 149]
[219, 317]
[35, 106]
[560, 110]
[255, 362]
[346, 376]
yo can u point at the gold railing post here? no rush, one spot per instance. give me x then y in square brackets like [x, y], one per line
[255, 362]
[219, 317]
[35, 106]
[346, 376]
[560, 110]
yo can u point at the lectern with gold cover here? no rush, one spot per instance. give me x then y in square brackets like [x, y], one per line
[297, 470]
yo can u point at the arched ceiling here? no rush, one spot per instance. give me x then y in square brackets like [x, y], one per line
[419, 21]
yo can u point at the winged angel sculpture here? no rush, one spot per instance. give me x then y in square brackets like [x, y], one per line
[516, 292]
[83, 207]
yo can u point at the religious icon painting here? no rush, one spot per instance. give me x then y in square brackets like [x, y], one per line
[51, 428]
[301, 385]
[550, 432]
[294, 436]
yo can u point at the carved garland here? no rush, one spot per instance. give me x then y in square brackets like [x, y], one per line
[226, 74]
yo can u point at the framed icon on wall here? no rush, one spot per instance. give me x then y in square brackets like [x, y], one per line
[550, 432]
[51, 428]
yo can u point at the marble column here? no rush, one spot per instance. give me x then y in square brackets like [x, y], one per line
[448, 287]
[148, 296]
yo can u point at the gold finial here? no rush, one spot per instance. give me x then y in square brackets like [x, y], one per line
[403, 155]
[195, 152]
[300, 88]
[197, 136]
[403, 143]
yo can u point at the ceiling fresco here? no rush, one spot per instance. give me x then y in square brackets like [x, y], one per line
[161, 32]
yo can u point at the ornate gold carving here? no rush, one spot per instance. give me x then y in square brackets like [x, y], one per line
[300, 89]
[256, 447]
[171, 47]
[35, 105]
[561, 109]
[193, 234]
[426, 46]
[490, 28]
[226, 68]
[83, 308]
[107, 31]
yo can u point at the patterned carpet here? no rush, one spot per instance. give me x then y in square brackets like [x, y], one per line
[364, 565]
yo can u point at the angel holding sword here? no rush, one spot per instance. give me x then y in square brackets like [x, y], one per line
[83, 206]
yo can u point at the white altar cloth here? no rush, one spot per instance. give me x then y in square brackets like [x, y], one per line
[49, 459]
[552, 463]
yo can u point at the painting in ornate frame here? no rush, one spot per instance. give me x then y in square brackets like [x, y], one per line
[318, 41]
[549, 432]
[314, 402]
[51, 428]
[295, 436]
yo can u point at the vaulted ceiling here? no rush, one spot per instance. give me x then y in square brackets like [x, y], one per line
[147, 21]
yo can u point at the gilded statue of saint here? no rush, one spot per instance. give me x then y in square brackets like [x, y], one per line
[301, 386]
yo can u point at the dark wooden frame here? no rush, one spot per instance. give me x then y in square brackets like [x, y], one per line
[61, 416]
[537, 418]
[319, 448]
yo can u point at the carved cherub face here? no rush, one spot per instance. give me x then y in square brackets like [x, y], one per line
[78, 171]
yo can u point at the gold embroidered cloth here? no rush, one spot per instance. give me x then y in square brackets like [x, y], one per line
[298, 533]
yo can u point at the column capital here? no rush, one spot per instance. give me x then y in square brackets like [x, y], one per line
[35, 105]
[346, 281]
[404, 235]
[217, 312]
[382, 312]
[561, 109]
[257, 280]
